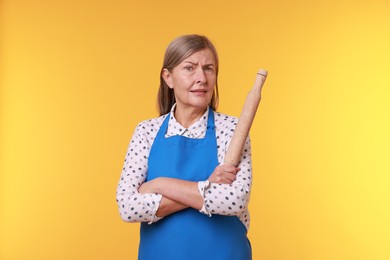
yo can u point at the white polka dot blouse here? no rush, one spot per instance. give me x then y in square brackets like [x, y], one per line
[224, 199]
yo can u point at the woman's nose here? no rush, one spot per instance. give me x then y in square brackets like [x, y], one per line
[200, 76]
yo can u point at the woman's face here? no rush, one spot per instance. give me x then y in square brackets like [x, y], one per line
[193, 80]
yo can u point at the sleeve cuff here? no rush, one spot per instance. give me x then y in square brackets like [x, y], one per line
[155, 209]
[202, 186]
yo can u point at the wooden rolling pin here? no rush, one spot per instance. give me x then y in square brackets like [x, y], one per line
[244, 124]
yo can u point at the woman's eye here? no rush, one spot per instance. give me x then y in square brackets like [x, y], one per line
[189, 68]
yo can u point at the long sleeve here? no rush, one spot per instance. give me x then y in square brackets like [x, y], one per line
[229, 199]
[133, 206]
[220, 199]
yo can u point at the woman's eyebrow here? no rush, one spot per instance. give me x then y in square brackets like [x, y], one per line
[196, 63]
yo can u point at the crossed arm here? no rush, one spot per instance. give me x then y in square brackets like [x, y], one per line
[226, 193]
[180, 194]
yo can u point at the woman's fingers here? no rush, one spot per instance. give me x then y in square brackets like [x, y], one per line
[224, 174]
[147, 187]
[228, 178]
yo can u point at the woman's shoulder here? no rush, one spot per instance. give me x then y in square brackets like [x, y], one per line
[224, 120]
[148, 128]
[154, 120]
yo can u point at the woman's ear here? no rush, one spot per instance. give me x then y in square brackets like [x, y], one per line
[167, 78]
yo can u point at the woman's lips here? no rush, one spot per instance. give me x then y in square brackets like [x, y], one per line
[199, 91]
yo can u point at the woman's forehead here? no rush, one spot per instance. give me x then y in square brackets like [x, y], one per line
[202, 56]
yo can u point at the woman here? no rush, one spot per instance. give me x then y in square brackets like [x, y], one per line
[190, 205]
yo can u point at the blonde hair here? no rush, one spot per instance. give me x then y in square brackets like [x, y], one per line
[177, 51]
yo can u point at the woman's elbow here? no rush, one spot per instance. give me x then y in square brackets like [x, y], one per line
[129, 217]
[239, 203]
[233, 205]
[125, 212]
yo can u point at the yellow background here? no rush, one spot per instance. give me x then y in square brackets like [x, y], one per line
[78, 75]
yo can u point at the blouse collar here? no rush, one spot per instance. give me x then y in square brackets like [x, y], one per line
[196, 130]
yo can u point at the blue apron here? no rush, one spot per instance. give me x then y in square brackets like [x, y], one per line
[189, 234]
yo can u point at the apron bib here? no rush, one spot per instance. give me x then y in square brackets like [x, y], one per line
[189, 234]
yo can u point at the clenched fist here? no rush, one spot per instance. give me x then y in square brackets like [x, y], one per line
[224, 174]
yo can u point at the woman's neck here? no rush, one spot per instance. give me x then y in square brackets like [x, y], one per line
[187, 117]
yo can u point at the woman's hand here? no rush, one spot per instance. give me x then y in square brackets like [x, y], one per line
[183, 192]
[224, 174]
[147, 187]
